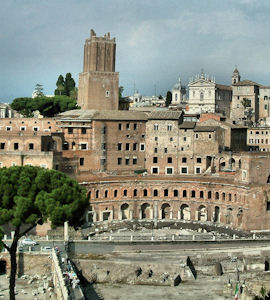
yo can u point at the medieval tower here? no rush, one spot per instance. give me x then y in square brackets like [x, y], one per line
[99, 83]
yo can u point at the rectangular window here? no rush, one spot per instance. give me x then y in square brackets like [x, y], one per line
[8, 128]
[165, 150]
[155, 170]
[127, 146]
[169, 160]
[83, 146]
[81, 161]
[22, 128]
[142, 147]
[107, 93]
[135, 146]
[156, 138]
[16, 146]
[169, 127]
[127, 161]
[185, 139]
[184, 170]
[196, 136]
[135, 126]
[14, 164]
[119, 160]
[155, 160]
[70, 130]
[169, 171]
[155, 126]
[31, 146]
[2, 146]
[134, 160]
[268, 205]
[210, 136]
[198, 170]
[127, 126]
[199, 160]
[119, 146]
[103, 146]
[155, 150]
[83, 130]
[184, 159]
[119, 126]
[265, 106]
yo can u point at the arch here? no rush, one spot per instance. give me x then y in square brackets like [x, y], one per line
[97, 193]
[145, 210]
[229, 215]
[230, 197]
[223, 196]
[175, 193]
[125, 193]
[145, 192]
[125, 211]
[217, 195]
[185, 212]
[201, 194]
[232, 163]
[209, 194]
[135, 193]
[239, 164]
[155, 193]
[193, 194]
[184, 193]
[239, 216]
[202, 213]
[222, 164]
[216, 218]
[165, 211]
[106, 194]
[115, 193]
[166, 193]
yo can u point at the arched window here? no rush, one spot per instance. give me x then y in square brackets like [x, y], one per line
[145, 192]
[184, 193]
[124, 193]
[217, 195]
[201, 96]
[223, 197]
[155, 193]
[193, 194]
[97, 193]
[175, 193]
[166, 193]
[201, 194]
[106, 194]
[209, 194]
[230, 196]
[115, 193]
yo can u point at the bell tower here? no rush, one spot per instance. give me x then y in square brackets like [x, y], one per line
[235, 76]
[99, 83]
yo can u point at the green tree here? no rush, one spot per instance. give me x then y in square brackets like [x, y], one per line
[69, 84]
[38, 92]
[246, 103]
[168, 99]
[60, 83]
[74, 94]
[33, 195]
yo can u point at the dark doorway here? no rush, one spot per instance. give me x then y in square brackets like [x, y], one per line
[3, 267]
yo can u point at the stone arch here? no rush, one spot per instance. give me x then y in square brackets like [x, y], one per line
[222, 164]
[185, 213]
[216, 217]
[145, 211]
[229, 215]
[165, 211]
[239, 164]
[223, 196]
[239, 216]
[232, 163]
[217, 195]
[202, 213]
[125, 211]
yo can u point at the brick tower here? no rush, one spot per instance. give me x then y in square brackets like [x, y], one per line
[99, 83]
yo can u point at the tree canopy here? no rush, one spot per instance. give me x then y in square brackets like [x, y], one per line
[168, 98]
[47, 106]
[33, 195]
[65, 86]
[38, 92]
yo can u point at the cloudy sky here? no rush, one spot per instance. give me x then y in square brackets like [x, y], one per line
[157, 41]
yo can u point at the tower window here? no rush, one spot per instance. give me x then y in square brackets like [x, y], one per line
[107, 93]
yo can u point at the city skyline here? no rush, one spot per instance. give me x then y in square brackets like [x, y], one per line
[156, 42]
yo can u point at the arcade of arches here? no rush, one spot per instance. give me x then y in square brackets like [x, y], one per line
[228, 204]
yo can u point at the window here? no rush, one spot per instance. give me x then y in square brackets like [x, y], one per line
[210, 136]
[84, 146]
[156, 138]
[119, 160]
[165, 150]
[135, 126]
[171, 139]
[119, 126]
[155, 126]
[169, 159]
[193, 194]
[107, 93]
[106, 194]
[103, 146]
[166, 193]
[31, 146]
[35, 129]
[115, 193]
[175, 193]
[135, 146]
[127, 146]
[169, 171]
[155, 150]
[184, 139]
[155, 160]
[142, 147]
[184, 170]
[198, 170]
[135, 193]
[22, 128]
[16, 146]
[209, 194]
[83, 130]
[265, 98]
[184, 193]
[184, 159]
[199, 160]
[124, 193]
[134, 160]
[8, 128]
[2, 146]
[127, 161]
[196, 136]
[201, 194]
[169, 127]
[70, 130]
[127, 126]
[265, 106]
[268, 205]
[97, 193]
[103, 161]
[145, 192]
[155, 170]
[119, 146]
[201, 96]
[155, 193]
[103, 130]
[14, 164]
[81, 161]
[217, 196]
